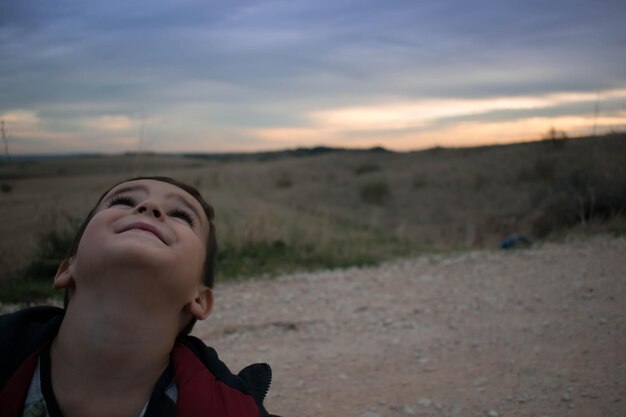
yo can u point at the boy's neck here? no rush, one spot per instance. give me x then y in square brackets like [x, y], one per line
[106, 352]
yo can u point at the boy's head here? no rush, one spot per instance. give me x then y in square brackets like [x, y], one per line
[160, 209]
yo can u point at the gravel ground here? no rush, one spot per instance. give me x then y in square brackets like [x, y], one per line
[538, 332]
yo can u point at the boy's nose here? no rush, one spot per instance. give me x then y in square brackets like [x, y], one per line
[150, 209]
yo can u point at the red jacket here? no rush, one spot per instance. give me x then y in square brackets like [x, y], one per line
[206, 387]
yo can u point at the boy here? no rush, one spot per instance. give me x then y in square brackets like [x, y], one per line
[133, 292]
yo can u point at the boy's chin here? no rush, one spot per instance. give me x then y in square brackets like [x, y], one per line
[149, 257]
[128, 258]
[137, 264]
[135, 243]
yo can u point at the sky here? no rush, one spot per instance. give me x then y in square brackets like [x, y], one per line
[220, 76]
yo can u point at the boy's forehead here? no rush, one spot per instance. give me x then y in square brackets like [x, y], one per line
[149, 185]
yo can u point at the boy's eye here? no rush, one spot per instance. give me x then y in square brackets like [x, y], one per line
[181, 214]
[121, 200]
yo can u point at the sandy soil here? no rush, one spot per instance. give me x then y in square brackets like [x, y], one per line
[538, 332]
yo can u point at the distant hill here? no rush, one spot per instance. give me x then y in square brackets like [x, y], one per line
[271, 155]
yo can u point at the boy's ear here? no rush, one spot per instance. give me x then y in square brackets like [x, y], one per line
[64, 278]
[201, 306]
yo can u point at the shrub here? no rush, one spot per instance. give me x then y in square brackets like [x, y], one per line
[27, 291]
[53, 245]
[543, 169]
[366, 169]
[376, 192]
[578, 199]
[479, 182]
[555, 138]
[419, 181]
[34, 282]
[283, 181]
[6, 187]
[253, 258]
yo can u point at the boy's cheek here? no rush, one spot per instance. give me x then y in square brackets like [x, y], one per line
[192, 265]
[90, 246]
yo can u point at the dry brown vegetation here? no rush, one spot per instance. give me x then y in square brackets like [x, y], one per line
[340, 208]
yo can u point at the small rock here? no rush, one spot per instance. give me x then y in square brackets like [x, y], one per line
[370, 414]
[408, 410]
[424, 402]
[456, 411]
[492, 413]
[479, 382]
[566, 397]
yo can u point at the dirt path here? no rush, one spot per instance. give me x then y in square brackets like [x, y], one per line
[538, 332]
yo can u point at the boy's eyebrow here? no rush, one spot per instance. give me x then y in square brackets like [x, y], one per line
[129, 188]
[186, 203]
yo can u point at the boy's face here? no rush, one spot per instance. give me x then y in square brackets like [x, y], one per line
[147, 226]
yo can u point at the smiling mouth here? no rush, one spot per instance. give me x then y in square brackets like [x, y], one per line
[145, 229]
[144, 232]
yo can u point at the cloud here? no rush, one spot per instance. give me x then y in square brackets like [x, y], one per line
[20, 118]
[468, 133]
[473, 133]
[290, 135]
[449, 122]
[28, 133]
[113, 123]
[405, 115]
[246, 74]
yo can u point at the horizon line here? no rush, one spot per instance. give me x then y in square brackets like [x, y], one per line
[378, 148]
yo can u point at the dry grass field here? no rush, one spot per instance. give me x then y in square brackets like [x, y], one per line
[320, 210]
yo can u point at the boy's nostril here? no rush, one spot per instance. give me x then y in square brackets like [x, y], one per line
[155, 212]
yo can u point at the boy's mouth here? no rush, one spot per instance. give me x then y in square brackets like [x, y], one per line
[145, 227]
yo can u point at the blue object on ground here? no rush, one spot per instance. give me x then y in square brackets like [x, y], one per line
[515, 241]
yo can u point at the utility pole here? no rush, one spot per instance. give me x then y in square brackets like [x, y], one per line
[6, 142]
[596, 110]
